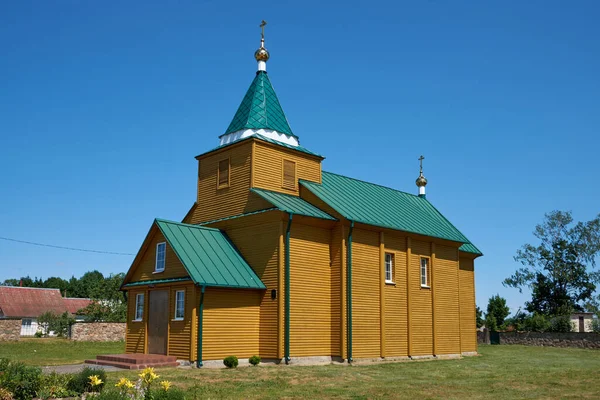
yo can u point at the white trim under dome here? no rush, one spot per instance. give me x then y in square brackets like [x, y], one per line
[271, 134]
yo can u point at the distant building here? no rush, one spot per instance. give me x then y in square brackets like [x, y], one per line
[582, 322]
[29, 303]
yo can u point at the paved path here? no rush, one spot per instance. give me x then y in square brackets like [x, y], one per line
[74, 368]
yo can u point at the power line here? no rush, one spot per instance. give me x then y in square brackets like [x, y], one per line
[65, 248]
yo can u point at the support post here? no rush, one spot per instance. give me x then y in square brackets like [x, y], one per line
[349, 295]
[287, 289]
[200, 326]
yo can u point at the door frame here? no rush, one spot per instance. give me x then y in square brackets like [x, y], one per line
[147, 312]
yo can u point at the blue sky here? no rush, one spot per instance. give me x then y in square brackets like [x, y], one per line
[103, 107]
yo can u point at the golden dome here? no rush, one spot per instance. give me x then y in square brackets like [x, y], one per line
[421, 181]
[261, 54]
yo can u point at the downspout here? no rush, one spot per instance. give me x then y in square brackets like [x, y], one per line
[200, 322]
[349, 290]
[287, 290]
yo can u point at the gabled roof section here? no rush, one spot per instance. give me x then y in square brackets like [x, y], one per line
[209, 256]
[264, 139]
[32, 302]
[260, 109]
[470, 248]
[381, 206]
[291, 204]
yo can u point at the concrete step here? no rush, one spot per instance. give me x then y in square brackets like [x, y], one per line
[127, 365]
[137, 358]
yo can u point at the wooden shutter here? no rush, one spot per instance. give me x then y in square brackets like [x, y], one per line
[289, 174]
[223, 178]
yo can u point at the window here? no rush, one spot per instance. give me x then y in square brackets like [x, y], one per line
[26, 322]
[160, 257]
[424, 272]
[289, 174]
[179, 304]
[223, 174]
[389, 268]
[139, 306]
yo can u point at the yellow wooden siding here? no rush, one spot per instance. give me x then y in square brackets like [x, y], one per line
[421, 311]
[310, 292]
[335, 251]
[180, 332]
[268, 168]
[136, 331]
[447, 330]
[144, 270]
[395, 306]
[365, 294]
[468, 325]
[259, 245]
[213, 203]
[231, 323]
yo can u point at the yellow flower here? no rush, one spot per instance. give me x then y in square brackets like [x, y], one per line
[148, 375]
[124, 382]
[165, 385]
[95, 381]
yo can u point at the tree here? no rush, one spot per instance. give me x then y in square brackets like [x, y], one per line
[560, 269]
[497, 311]
[479, 317]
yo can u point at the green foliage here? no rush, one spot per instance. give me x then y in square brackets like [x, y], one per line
[560, 269]
[536, 323]
[171, 394]
[497, 311]
[562, 323]
[231, 362]
[479, 316]
[55, 386]
[109, 394]
[19, 379]
[105, 311]
[38, 334]
[59, 324]
[254, 360]
[596, 325]
[81, 381]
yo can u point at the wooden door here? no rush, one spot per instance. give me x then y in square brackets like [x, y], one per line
[158, 321]
[581, 325]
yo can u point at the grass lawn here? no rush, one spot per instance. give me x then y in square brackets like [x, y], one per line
[500, 372]
[51, 351]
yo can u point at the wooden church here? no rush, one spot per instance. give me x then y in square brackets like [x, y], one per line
[281, 259]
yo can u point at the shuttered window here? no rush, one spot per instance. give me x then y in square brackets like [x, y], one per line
[223, 173]
[289, 174]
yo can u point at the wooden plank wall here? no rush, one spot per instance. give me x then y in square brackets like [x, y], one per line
[337, 307]
[213, 203]
[365, 294]
[145, 268]
[310, 292]
[395, 299]
[268, 167]
[231, 323]
[421, 304]
[468, 324]
[257, 239]
[180, 332]
[136, 331]
[447, 330]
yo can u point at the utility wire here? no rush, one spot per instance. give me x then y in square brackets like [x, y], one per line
[65, 248]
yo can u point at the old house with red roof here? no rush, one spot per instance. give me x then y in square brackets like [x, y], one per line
[29, 303]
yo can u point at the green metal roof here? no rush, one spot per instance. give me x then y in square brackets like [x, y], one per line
[381, 206]
[291, 204]
[209, 256]
[260, 109]
[470, 248]
[268, 140]
[158, 281]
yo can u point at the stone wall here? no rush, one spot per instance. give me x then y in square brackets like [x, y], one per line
[553, 339]
[10, 329]
[98, 331]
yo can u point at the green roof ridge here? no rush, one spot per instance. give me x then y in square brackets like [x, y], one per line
[260, 109]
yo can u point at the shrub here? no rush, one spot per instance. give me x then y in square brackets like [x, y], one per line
[4, 362]
[536, 323]
[561, 323]
[109, 394]
[59, 324]
[38, 334]
[21, 380]
[231, 362]
[55, 386]
[81, 381]
[596, 325]
[254, 360]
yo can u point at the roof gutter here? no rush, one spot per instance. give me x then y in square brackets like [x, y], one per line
[349, 291]
[200, 323]
[287, 290]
